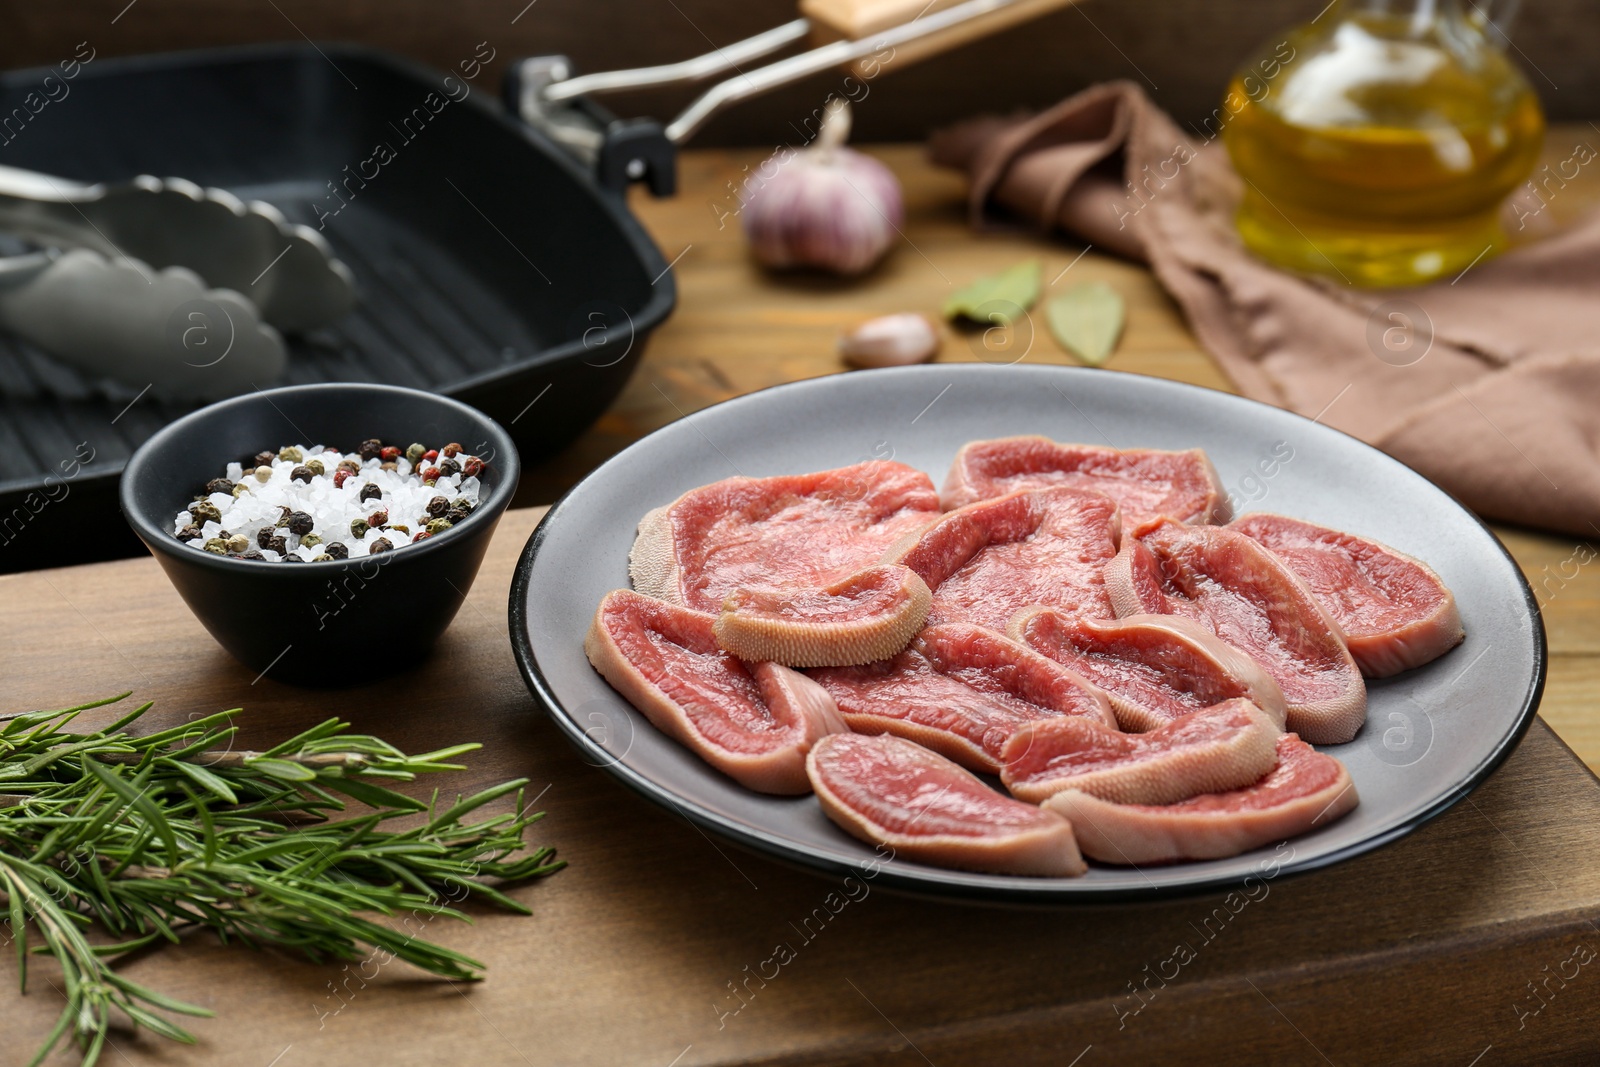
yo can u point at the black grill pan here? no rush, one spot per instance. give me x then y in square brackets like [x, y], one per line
[489, 265]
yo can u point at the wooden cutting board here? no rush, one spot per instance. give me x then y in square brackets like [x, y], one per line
[662, 946]
[1471, 942]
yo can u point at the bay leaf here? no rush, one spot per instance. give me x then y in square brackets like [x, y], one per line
[1087, 320]
[1001, 298]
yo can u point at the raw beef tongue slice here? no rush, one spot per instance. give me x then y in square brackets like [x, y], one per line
[1144, 482]
[1226, 746]
[1153, 668]
[868, 616]
[1251, 600]
[1306, 790]
[961, 690]
[889, 791]
[753, 723]
[1395, 612]
[986, 561]
[802, 530]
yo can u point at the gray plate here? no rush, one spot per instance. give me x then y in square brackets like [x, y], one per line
[1432, 734]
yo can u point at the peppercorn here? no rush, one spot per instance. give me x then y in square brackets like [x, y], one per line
[279, 544]
[264, 537]
[291, 558]
[217, 545]
[455, 515]
[382, 544]
[391, 466]
[205, 511]
[438, 506]
[300, 523]
[240, 490]
[448, 467]
[414, 452]
[358, 528]
[315, 467]
[399, 528]
[263, 474]
[238, 543]
[301, 474]
[431, 454]
[431, 476]
[264, 459]
[472, 467]
[340, 476]
[370, 448]
[291, 454]
[422, 535]
[370, 492]
[452, 448]
[338, 550]
[189, 533]
[349, 465]
[310, 541]
[219, 485]
[254, 553]
[463, 503]
[321, 557]
[389, 453]
[379, 517]
[439, 526]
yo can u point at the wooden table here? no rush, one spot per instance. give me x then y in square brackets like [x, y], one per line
[1462, 944]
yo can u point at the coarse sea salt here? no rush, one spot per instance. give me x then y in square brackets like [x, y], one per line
[333, 509]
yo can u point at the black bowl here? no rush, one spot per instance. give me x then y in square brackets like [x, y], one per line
[308, 624]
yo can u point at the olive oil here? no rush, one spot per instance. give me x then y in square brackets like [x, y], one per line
[1383, 147]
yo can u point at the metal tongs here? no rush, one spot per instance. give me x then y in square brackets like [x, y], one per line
[161, 283]
[870, 36]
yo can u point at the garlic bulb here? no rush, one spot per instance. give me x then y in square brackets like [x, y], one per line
[890, 341]
[823, 206]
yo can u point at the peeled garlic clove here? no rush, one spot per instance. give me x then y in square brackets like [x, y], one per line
[890, 341]
[824, 206]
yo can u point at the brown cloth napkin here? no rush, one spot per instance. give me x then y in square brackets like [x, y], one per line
[1502, 408]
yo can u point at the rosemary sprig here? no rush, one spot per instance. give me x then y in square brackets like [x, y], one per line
[146, 836]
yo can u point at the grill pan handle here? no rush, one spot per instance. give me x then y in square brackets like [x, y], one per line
[866, 35]
[619, 151]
